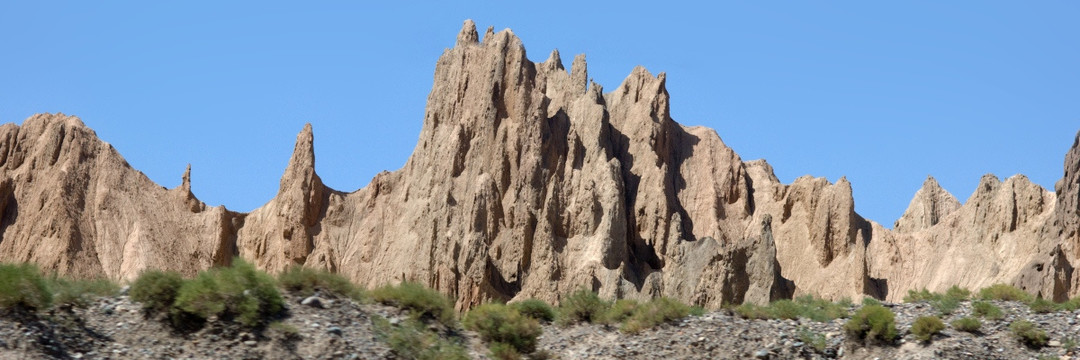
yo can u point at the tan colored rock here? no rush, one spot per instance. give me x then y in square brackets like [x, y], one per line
[528, 181]
[71, 204]
[930, 205]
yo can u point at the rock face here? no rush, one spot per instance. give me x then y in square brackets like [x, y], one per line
[70, 203]
[930, 205]
[529, 181]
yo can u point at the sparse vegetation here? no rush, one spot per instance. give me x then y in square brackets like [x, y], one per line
[239, 291]
[958, 293]
[535, 309]
[502, 324]
[967, 324]
[814, 339]
[945, 305]
[987, 310]
[921, 295]
[411, 339]
[287, 330]
[619, 311]
[870, 301]
[156, 289]
[807, 307]
[582, 305]
[1005, 293]
[422, 301]
[79, 293]
[1028, 333]
[1042, 306]
[872, 323]
[23, 287]
[305, 281]
[655, 312]
[925, 327]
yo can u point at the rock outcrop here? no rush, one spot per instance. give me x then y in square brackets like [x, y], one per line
[529, 181]
[70, 203]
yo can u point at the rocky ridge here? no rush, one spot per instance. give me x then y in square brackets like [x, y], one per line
[528, 180]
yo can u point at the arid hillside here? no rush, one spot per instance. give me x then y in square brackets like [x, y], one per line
[529, 181]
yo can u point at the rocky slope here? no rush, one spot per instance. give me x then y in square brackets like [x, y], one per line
[116, 328]
[528, 180]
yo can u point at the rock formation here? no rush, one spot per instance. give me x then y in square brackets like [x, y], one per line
[529, 180]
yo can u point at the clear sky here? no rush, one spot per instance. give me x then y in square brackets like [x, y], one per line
[882, 94]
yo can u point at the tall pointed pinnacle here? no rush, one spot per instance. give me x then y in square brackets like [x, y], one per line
[185, 184]
[579, 74]
[468, 35]
[931, 204]
[302, 163]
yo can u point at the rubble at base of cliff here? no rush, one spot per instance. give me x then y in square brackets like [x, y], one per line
[117, 328]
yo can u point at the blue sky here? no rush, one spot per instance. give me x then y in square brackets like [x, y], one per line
[883, 94]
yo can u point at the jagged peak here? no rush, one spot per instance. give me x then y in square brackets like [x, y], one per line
[302, 163]
[927, 208]
[555, 60]
[490, 31]
[468, 35]
[579, 74]
[185, 180]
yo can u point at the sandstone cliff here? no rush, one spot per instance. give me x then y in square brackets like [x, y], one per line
[528, 180]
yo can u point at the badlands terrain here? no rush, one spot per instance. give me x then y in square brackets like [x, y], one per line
[531, 181]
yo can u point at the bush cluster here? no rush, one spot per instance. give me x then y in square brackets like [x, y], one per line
[305, 282]
[655, 312]
[422, 301]
[238, 292]
[582, 305]
[944, 304]
[807, 307]
[925, 327]
[872, 323]
[967, 324]
[536, 309]
[501, 326]
[411, 339]
[80, 292]
[1005, 292]
[23, 287]
[1028, 333]
[987, 310]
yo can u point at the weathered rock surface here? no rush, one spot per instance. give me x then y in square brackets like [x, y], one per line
[71, 204]
[529, 181]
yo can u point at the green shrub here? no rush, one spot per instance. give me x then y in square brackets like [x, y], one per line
[22, 286]
[1005, 293]
[305, 282]
[751, 311]
[535, 309]
[239, 291]
[498, 323]
[422, 301]
[80, 293]
[814, 339]
[785, 309]
[987, 310]
[967, 324]
[1042, 306]
[925, 327]
[697, 310]
[958, 293]
[285, 329]
[411, 339]
[921, 295]
[807, 307]
[501, 351]
[655, 312]
[1069, 344]
[156, 289]
[1071, 305]
[870, 301]
[619, 311]
[582, 305]
[820, 310]
[872, 323]
[1028, 333]
[945, 305]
